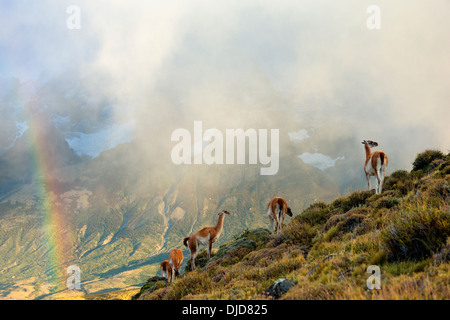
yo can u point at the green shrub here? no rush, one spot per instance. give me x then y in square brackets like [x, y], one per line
[400, 181]
[387, 202]
[331, 233]
[354, 200]
[419, 174]
[151, 285]
[259, 235]
[424, 160]
[352, 221]
[441, 188]
[299, 233]
[378, 258]
[317, 213]
[193, 283]
[444, 167]
[400, 174]
[319, 204]
[232, 252]
[416, 234]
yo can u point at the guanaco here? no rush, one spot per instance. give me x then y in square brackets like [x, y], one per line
[175, 261]
[277, 209]
[375, 165]
[206, 236]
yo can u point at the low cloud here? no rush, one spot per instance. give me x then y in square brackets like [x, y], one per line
[310, 68]
[298, 136]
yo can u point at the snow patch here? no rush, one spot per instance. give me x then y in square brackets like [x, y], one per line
[319, 160]
[93, 144]
[21, 127]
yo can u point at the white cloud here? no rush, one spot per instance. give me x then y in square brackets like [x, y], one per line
[179, 62]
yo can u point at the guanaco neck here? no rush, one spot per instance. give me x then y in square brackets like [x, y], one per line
[368, 153]
[219, 224]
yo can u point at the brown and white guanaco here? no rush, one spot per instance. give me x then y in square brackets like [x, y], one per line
[277, 209]
[175, 261]
[375, 165]
[206, 236]
[166, 270]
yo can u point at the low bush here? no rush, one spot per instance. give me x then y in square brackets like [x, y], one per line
[298, 233]
[356, 199]
[400, 181]
[387, 202]
[424, 159]
[400, 174]
[315, 214]
[152, 284]
[192, 283]
[347, 222]
[416, 234]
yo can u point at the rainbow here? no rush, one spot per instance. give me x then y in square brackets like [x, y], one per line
[55, 225]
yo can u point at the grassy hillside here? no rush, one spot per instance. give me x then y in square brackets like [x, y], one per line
[326, 249]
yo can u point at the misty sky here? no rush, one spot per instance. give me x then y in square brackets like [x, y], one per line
[312, 68]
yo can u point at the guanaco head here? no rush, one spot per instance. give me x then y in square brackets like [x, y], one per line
[223, 212]
[289, 212]
[370, 143]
